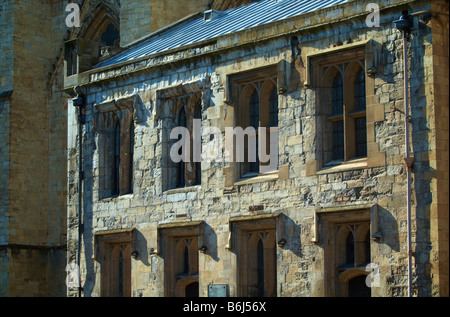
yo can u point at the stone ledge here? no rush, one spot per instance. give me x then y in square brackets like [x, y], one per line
[258, 179]
[345, 166]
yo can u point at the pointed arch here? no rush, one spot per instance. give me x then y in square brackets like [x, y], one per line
[99, 20]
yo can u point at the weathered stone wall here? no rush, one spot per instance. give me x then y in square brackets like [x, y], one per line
[32, 139]
[6, 85]
[4, 196]
[300, 192]
[439, 150]
[140, 18]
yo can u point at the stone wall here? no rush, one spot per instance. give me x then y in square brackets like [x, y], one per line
[140, 18]
[439, 150]
[6, 86]
[300, 193]
[33, 139]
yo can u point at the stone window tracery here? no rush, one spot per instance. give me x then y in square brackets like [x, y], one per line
[116, 130]
[255, 97]
[113, 252]
[346, 242]
[342, 82]
[179, 244]
[254, 240]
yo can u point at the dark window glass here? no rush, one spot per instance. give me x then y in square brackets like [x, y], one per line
[72, 61]
[181, 182]
[274, 108]
[192, 290]
[254, 110]
[357, 287]
[110, 37]
[131, 177]
[186, 260]
[254, 122]
[350, 249]
[338, 96]
[121, 274]
[360, 91]
[116, 164]
[338, 140]
[367, 248]
[260, 257]
[361, 137]
[198, 166]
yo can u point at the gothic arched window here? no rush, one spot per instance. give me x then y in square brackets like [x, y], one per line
[116, 163]
[181, 181]
[338, 112]
[350, 249]
[274, 108]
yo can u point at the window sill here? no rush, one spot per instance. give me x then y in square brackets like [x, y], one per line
[116, 198]
[182, 190]
[258, 179]
[354, 164]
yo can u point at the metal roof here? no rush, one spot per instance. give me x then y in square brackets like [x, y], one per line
[229, 21]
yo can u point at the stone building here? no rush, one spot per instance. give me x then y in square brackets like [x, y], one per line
[328, 217]
[323, 216]
[33, 129]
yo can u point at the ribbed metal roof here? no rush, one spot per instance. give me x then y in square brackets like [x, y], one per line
[232, 20]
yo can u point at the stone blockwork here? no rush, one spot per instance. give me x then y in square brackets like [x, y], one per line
[140, 18]
[32, 206]
[6, 86]
[303, 191]
[35, 138]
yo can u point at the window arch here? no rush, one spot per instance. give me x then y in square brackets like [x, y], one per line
[274, 108]
[131, 159]
[181, 180]
[258, 108]
[102, 25]
[260, 267]
[116, 160]
[260, 270]
[350, 249]
[110, 37]
[360, 90]
[254, 109]
[186, 260]
[343, 104]
[338, 95]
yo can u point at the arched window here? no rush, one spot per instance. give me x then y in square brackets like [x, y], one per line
[260, 268]
[338, 95]
[350, 249]
[257, 112]
[254, 122]
[110, 36]
[274, 108]
[181, 180]
[338, 112]
[367, 248]
[192, 290]
[360, 122]
[116, 164]
[197, 165]
[360, 90]
[357, 287]
[131, 177]
[186, 260]
[254, 110]
[120, 275]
